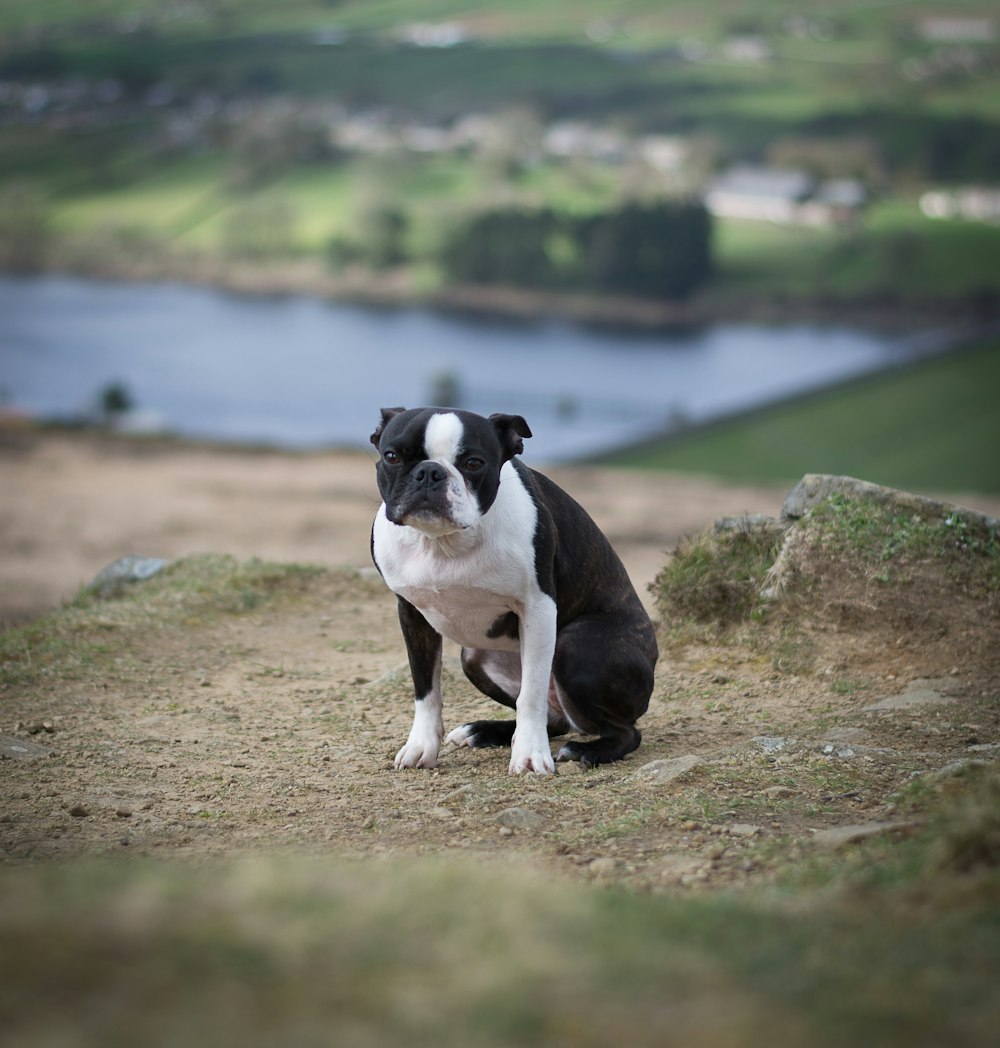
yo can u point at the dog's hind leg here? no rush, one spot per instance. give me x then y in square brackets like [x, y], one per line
[496, 674]
[604, 687]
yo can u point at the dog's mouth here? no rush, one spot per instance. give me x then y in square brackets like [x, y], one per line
[434, 524]
[426, 516]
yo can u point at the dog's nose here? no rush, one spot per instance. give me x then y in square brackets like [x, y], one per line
[430, 474]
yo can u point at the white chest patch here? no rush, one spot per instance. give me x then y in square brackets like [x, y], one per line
[465, 583]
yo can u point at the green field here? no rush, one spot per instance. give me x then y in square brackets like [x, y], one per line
[933, 427]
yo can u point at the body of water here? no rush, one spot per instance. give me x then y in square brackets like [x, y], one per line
[299, 372]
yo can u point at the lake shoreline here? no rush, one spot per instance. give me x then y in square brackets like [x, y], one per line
[401, 289]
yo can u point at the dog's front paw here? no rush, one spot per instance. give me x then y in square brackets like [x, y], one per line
[418, 753]
[534, 755]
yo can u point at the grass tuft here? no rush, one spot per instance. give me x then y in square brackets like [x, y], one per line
[717, 576]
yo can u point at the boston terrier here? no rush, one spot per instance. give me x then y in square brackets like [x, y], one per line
[493, 555]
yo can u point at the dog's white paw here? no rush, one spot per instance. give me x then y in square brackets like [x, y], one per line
[535, 755]
[418, 753]
[460, 736]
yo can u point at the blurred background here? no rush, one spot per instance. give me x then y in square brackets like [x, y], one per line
[748, 239]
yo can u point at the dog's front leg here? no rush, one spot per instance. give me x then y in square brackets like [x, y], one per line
[423, 648]
[530, 750]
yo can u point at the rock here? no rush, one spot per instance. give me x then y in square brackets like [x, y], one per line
[747, 522]
[677, 869]
[522, 819]
[79, 811]
[743, 829]
[12, 748]
[920, 692]
[778, 792]
[956, 769]
[604, 867]
[815, 488]
[772, 743]
[111, 580]
[667, 770]
[841, 836]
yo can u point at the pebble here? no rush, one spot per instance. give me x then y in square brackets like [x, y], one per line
[12, 748]
[604, 867]
[522, 819]
[667, 770]
[840, 836]
[79, 811]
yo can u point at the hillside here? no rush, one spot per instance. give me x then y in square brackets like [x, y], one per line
[341, 149]
[821, 742]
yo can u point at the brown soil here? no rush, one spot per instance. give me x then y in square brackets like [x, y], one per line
[274, 728]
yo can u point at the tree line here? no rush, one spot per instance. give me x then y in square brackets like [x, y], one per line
[656, 250]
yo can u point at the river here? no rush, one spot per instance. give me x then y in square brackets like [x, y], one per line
[302, 373]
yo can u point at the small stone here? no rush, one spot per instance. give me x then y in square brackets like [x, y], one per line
[604, 867]
[522, 819]
[12, 748]
[840, 836]
[667, 770]
[777, 792]
[79, 811]
[743, 829]
[123, 812]
[920, 692]
[112, 580]
[441, 813]
[771, 743]
[506, 831]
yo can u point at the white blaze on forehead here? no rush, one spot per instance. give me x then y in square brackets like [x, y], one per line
[443, 437]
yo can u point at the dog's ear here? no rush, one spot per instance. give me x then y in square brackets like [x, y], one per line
[387, 415]
[510, 429]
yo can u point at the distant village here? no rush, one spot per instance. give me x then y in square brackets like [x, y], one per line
[767, 193]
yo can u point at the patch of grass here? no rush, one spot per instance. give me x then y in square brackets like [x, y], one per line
[87, 637]
[717, 576]
[882, 534]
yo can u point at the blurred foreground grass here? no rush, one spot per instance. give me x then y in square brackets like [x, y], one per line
[299, 952]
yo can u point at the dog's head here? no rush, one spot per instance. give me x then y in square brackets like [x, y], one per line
[439, 469]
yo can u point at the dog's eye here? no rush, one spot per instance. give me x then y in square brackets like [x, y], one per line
[473, 464]
[391, 458]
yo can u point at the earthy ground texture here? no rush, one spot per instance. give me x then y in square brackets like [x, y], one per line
[826, 718]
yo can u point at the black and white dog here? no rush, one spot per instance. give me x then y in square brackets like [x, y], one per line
[493, 555]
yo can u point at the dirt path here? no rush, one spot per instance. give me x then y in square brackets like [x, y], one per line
[265, 715]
